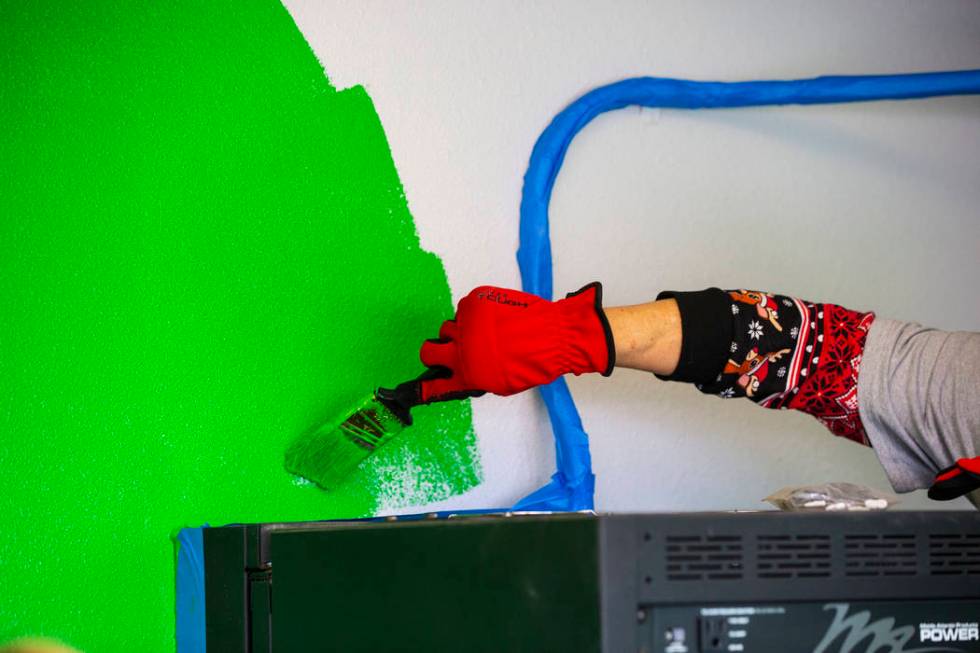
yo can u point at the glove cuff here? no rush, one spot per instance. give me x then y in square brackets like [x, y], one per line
[587, 340]
[956, 480]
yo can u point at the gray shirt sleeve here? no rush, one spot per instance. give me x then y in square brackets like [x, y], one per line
[919, 399]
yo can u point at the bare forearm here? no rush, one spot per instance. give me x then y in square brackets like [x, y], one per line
[647, 336]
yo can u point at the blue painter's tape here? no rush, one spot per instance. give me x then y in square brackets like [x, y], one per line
[572, 486]
[190, 590]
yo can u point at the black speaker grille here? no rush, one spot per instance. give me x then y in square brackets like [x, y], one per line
[880, 555]
[704, 557]
[793, 556]
[954, 554]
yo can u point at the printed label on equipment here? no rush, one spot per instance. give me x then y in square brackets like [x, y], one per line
[952, 632]
[945, 626]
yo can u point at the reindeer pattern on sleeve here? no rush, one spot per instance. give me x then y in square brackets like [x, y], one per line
[789, 353]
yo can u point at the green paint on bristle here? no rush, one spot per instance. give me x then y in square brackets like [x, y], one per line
[329, 454]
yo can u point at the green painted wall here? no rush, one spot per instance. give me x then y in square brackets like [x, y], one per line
[204, 250]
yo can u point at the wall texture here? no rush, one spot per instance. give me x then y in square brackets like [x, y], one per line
[872, 206]
[205, 250]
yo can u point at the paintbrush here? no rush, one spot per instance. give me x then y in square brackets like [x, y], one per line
[330, 453]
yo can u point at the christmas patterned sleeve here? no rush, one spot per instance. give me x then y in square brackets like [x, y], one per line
[779, 351]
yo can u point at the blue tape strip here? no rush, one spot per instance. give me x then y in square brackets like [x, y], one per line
[190, 590]
[572, 486]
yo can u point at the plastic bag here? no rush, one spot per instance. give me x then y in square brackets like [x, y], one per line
[831, 497]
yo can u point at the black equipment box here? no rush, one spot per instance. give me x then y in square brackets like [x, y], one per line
[889, 582]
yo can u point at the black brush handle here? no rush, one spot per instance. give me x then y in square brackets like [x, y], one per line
[404, 396]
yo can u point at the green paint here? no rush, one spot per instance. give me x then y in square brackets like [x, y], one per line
[204, 250]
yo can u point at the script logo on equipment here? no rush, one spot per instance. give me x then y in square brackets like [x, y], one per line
[859, 633]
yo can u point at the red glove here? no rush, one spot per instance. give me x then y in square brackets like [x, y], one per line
[506, 341]
[956, 480]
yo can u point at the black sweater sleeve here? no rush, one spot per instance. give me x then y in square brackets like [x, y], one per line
[706, 324]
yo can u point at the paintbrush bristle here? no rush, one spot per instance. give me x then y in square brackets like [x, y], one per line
[329, 454]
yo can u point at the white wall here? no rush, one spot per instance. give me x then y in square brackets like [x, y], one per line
[873, 206]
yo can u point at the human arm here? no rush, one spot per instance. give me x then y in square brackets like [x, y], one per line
[919, 396]
[647, 336]
[910, 392]
[778, 351]
[726, 342]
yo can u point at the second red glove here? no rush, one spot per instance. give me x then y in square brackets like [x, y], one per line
[506, 341]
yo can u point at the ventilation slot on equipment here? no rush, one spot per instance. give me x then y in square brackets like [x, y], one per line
[954, 554]
[704, 557]
[879, 555]
[793, 556]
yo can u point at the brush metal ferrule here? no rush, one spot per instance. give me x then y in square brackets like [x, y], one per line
[371, 426]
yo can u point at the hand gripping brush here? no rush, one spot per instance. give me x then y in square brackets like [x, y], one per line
[330, 453]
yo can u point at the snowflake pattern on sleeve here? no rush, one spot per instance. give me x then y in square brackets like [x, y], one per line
[789, 353]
